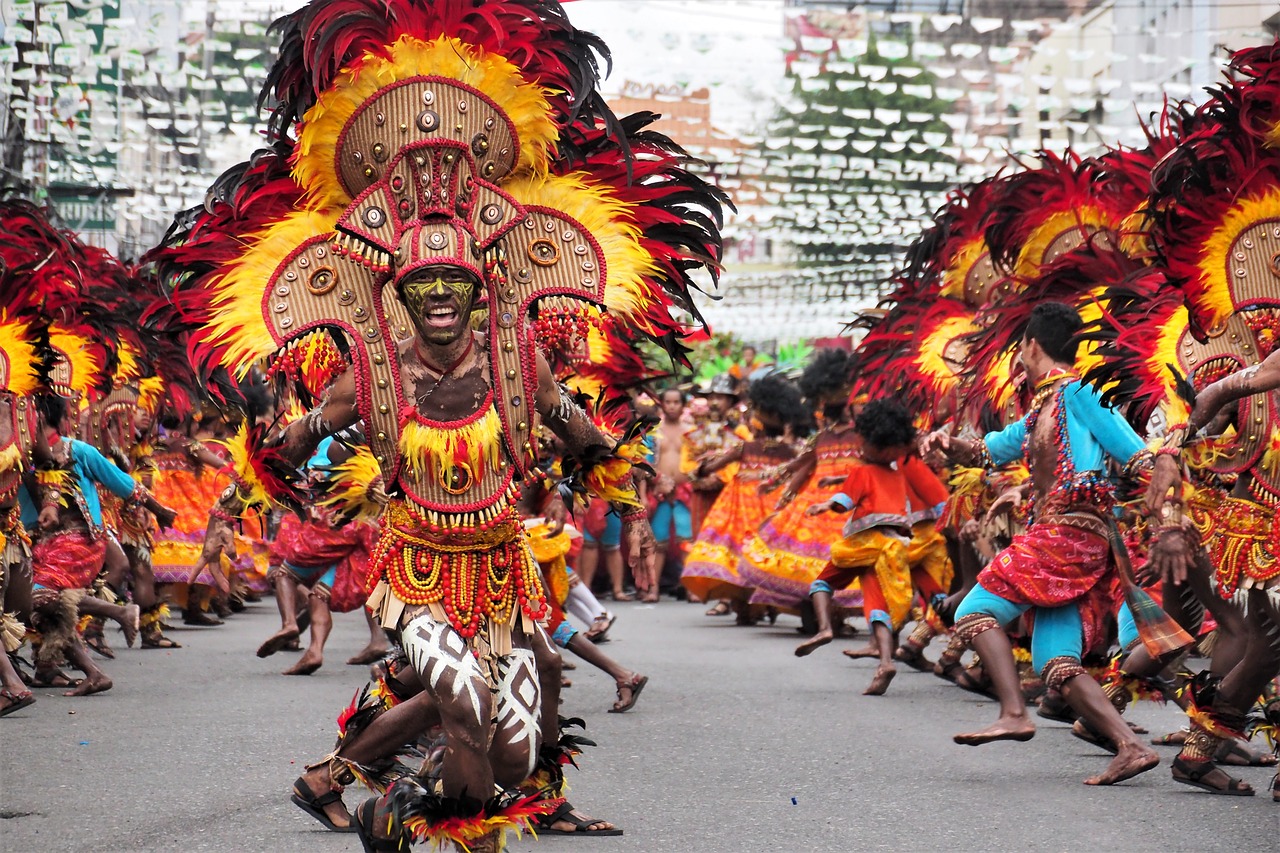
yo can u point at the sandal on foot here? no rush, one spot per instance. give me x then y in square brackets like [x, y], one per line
[720, 608]
[635, 685]
[601, 634]
[1193, 771]
[17, 701]
[159, 641]
[362, 824]
[1089, 734]
[57, 678]
[1242, 755]
[1053, 707]
[913, 657]
[314, 806]
[1275, 788]
[581, 826]
[98, 644]
[623, 596]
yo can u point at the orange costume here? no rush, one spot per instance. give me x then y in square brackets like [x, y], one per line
[711, 569]
[791, 549]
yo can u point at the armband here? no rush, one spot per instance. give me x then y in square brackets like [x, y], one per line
[843, 501]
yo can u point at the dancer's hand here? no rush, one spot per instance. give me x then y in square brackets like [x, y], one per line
[49, 517]
[828, 482]
[557, 516]
[1166, 476]
[1008, 501]
[1169, 555]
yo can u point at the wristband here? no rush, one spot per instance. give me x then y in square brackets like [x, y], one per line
[843, 501]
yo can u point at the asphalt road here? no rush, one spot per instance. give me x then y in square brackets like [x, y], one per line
[735, 746]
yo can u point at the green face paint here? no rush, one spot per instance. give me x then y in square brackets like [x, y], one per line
[437, 283]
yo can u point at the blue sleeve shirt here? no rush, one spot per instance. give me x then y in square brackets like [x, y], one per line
[1094, 432]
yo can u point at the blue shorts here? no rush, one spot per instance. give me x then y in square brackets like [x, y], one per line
[313, 575]
[1058, 630]
[672, 514]
[610, 537]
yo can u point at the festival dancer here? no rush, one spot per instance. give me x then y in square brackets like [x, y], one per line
[873, 545]
[428, 180]
[71, 549]
[1062, 565]
[791, 547]
[308, 555]
[711, 567]
[714, 433]
[1219, 707]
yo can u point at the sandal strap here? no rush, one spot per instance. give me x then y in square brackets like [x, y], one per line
[564, 811]
[327, 798]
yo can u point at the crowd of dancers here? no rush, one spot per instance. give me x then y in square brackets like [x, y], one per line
[393, 364]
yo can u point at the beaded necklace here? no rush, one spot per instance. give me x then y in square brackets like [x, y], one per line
[1070, 489]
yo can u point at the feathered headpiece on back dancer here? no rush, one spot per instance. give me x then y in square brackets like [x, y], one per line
[423, 133]
[1216, 226]
[1036, 217]
[41, 281]
[956, 245]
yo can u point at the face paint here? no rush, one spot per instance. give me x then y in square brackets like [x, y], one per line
[418, 291]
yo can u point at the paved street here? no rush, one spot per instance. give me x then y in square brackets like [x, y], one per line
[735, 746]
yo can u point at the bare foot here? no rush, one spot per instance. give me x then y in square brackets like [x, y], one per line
[1005, 728]
[94, 684]
[864, 652]
[817, 641]
[278, 641]
[319, 783]
[130, 623]
[367, 655]
[306, 665]
[880, 683]
[1133, 758]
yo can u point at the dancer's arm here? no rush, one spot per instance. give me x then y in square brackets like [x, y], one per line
[1258, 379]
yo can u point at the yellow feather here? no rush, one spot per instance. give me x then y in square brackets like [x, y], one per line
[236, 305]
[1215, 304]
[11, 458]
[1166, 352]
[525, 103]
[351, 486]
[421, 445]
[19, 356]
[930, 358]
[82, 363]
[628, 265]
[1032, 255]
[959, 266]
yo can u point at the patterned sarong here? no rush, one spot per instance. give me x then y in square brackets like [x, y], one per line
[68, 559]
[1058, 561]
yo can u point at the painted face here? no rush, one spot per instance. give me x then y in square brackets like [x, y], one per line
[439, 300]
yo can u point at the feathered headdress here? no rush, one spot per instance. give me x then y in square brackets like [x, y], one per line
[448, 132]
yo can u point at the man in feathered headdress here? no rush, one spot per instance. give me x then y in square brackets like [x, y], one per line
[450, 156]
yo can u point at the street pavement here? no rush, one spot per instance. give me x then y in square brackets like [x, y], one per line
[735, 745]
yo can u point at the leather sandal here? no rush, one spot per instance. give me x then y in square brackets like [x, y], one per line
[16, 701]
[1193, 771]
[314, 806]
[362, 822]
